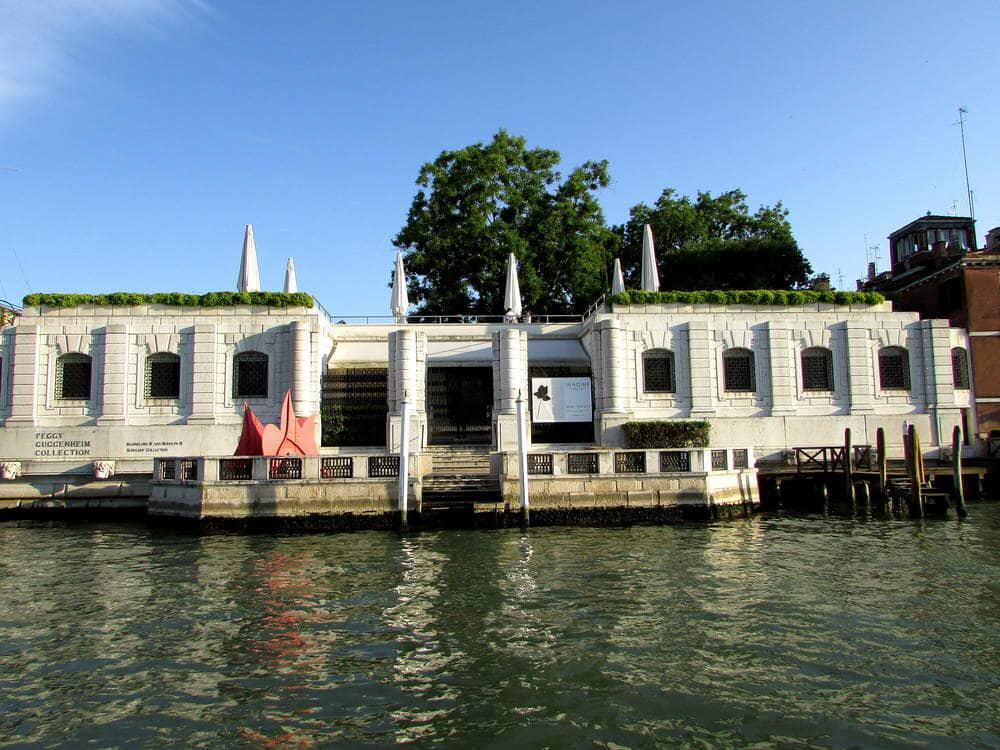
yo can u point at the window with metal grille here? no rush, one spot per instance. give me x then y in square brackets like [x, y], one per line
[894, 369]
[738, 370]
[633, 462]
[741, 458]
[284, 468]
[675, 461]
[236, 469]
[817, 369]
[960, 368]
[539, 463]
[658, 371]
[383, 466]
[168, 469]
[189, 469]
[720, 461]
[337, 467]
[163, 376]
[582, 463]
[73, 377]
[250, 375]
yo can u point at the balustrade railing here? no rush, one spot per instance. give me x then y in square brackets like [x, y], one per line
[597, 462]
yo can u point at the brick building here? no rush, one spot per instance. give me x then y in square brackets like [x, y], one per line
[937, 272]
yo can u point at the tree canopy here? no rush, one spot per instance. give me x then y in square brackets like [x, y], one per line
[477, 204]
[714, 243]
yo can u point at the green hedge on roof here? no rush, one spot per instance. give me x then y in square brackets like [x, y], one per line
[746, 297]
[211, 299]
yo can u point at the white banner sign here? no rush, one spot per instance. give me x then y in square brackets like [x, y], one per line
[561, 400]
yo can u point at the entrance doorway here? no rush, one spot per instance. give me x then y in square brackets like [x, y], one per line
[460, 405]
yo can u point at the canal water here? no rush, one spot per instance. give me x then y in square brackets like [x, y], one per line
[775, 631]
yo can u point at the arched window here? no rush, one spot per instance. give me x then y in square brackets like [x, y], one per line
[738, 370]
[73, 377]
[817, 369]
[658, 375]
[163, 376]
[960, 368]
[250, 375]
[894, 369]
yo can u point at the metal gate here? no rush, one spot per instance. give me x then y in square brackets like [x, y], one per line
[460, 405]
[354, 406]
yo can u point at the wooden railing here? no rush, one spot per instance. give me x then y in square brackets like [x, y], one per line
[830, 458]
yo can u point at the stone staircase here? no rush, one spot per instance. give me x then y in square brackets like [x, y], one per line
[460, 477]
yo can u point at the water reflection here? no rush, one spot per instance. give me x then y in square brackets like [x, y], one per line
[770, 631]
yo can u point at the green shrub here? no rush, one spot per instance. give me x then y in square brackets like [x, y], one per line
[212, 299]
[666, 434]
[746, 297]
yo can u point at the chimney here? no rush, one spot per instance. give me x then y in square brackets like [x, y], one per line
[871, 272]
[821, 283]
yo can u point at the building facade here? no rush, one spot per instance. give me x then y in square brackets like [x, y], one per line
[937, 272]
[132, 383]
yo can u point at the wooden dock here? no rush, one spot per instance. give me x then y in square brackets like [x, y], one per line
[817, 477]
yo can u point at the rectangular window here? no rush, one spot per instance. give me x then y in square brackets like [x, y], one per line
[73, 377]
[250, 375]
[737, 371]
[163, 378]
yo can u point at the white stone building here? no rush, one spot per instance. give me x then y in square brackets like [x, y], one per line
[130, 383]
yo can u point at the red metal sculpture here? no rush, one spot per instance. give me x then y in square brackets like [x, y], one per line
[294, 436]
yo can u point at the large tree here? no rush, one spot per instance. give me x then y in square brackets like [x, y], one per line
[714, 243]
[479, 203]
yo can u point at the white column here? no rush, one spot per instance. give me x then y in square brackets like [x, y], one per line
[403, 361]
[614, 367]
[512, 370]
[114, 397]
[303, 392]
[24, 375]
[782, 369]
[700, 350]
[204, 398]
[860, 371]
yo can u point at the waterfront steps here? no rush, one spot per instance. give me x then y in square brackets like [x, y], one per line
[460, 477]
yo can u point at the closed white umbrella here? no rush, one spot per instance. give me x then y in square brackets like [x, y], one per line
[400, 302]
[617, 280]
[512, 293]
[650, 276]
[249, 278]
[291, 283]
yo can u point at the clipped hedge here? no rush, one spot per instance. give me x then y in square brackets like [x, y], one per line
[211, 299]
[666, 434]
[746, 297]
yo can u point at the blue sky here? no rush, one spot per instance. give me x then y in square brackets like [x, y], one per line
[137, 137]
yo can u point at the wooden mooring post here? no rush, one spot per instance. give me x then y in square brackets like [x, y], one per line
[883, 467]
[913, 470]
[956, 471]
[848, 478]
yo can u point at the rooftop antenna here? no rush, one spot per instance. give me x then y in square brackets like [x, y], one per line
[962, 112]
[840, 279]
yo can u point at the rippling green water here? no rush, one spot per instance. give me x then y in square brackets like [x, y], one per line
[774, 631]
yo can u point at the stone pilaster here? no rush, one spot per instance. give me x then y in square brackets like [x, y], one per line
[403, 346]
[702, 383]
[939, 384]
[24, 374]
[204, 383]
[303, 390]
[114, 394]
[860, 371]
[782, 369]
[510, 346]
